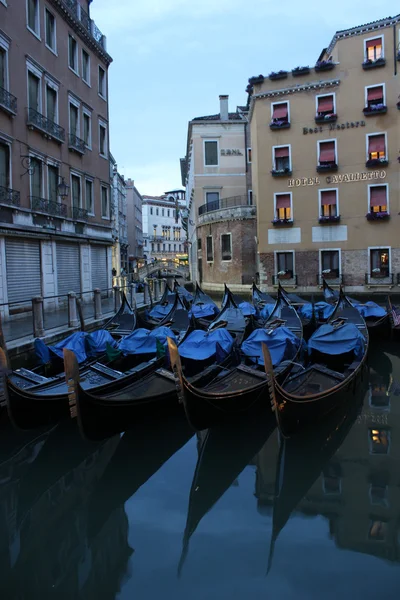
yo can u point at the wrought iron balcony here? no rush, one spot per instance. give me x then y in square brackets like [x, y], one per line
[328, 219]
[223, 203]
[45, 125]
[8, 102]
[333, 277]
[48, 207]
[9, 196]
[80, 15]
[288, 279]
[76, 144]
[79, 214]
[327, 167]
[373, 64]
[379, 277]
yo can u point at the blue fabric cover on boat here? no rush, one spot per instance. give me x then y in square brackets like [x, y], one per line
[330, 340]
[143, 341]
[323, 310]
[74, 342]
[370, 309]
[267, 310]
[159, 312]
[247, 308]
[201, 345]
[97, 341]
[204, 310]
[281, 342]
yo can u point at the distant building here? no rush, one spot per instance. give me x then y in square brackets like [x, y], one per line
[221, 221]
[119, 220]
[134, 201]
[163, 232]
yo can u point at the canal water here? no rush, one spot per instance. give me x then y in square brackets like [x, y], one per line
[229, 514]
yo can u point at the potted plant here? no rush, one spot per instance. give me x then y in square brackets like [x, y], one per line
[279, 124]
[377, 216]
[371, 64]
[278, 75]
[375, 109]
[300, 71]
[324, 65]
[284, 275]
[282, 222]
[329, 219]
[325, 118]
[327, 167]
[376, 272]
[377, 162]
[281, 172]
[256, 79]
[329, 274]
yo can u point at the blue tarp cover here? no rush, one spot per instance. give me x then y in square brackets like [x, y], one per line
[201, 345]
[204, 310]
[159, 312]
[97, 341]
[143, 341]
[282, 344]
[370, 309]
[74, 342]
[330, 340]
[247, 308]
[323, 310]
[267, 310]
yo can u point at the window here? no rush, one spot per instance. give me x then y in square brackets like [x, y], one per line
[373, 49]
[210, 153]
[283, 206]
[72, 54]
[52, 181]
[50, 23]
[3, 68]
[163, 247]
[209, 249]
[330, 263]
[33, 22]
[378, 198]
[169, 233]
[36, 177]
[51, 104]
[162, 212]
[158, 247]
[328, 203]
[103, 140]
[174, 247]
[151, 211]
[74, 120]
[325, 105]
[89, 196]
[157, 211]
[168, 213]
[280, 113]
[378, 493]
[169, 247]
[76, 191]
[155, 230]
[379, 262]
[327, 153]
[180, 247]
[249, 155]
[379, 396]
[281, 159]
[87, 130]
[104, 202]
[250, 197]
[212, 200]
[376, 147]
[226, 246]
[377, 531]
[375, 96]
[34, 99]
[5, 165]
[285, 264]
[332, 479]
[85, 67]
[379, 441]
[102, 82]
[152, 247]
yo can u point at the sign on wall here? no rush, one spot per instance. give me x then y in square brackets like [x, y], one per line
[345, 178]
[230, 152]
[334, 127]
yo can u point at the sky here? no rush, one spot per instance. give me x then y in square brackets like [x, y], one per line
[173, 58]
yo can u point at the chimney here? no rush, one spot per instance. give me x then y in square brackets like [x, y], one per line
[223, 108]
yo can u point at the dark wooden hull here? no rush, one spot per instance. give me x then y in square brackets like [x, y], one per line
[379, 328]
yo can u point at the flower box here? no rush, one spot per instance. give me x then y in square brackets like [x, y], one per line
[330, 275]
[256, 79]
[281, 173]
[326, 118]
[379, 273]
[284, 222]
[376, 162]
[375, 109]
[328, 219]
[279, 125]
[287, 275]
[327, 168]
[300, 71]
[377, 216]
[279, 75]
[373, 64]
[324, 65]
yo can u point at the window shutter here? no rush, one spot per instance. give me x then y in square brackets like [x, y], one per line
[280, 111]
[378, 196]
[327, 152]
[376, 143]
[375, 93]
[283, 201]
[282, 152]
[328, 198]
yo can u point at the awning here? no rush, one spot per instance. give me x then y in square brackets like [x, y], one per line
[283, 201]
[378, 196]
[282, 152]
[325, 104]
[280, 111]
[328, 198]
[376, 143]
[373, 43]
[327, 152]
[375, 93]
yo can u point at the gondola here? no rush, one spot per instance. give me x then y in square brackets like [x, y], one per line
[160, 309]
[33, 401]
[337, 358]
[301, 460]
[224, 453]
[183, 292]
[306, 310]
[248, 308]
[261, 298]
[394, 315]
[203, 306]
[241, 388]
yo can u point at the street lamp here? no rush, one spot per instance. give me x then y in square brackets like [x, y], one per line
[62, 188]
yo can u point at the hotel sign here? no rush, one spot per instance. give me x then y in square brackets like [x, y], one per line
[334, 127]
[345, 178]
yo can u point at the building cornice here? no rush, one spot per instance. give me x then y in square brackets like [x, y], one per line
[313, 85]
[361, 29]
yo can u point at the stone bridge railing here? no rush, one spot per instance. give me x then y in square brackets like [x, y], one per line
[166, 267]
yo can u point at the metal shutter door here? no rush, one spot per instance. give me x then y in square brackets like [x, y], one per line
[23, 269]
[68, 268]
[99, 267]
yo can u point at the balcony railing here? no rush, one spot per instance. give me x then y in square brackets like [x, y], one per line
[80, 15]
[223, 203]
[9, 196]
[381, 277]
[325, 118]
[8, 102]
[48, 207]
[329, 219]
[375, 109]
[45, 125]
[327, 167]
[79, 214]
[75, 143]
[373, 64]
[288, 278]
[333, 278]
